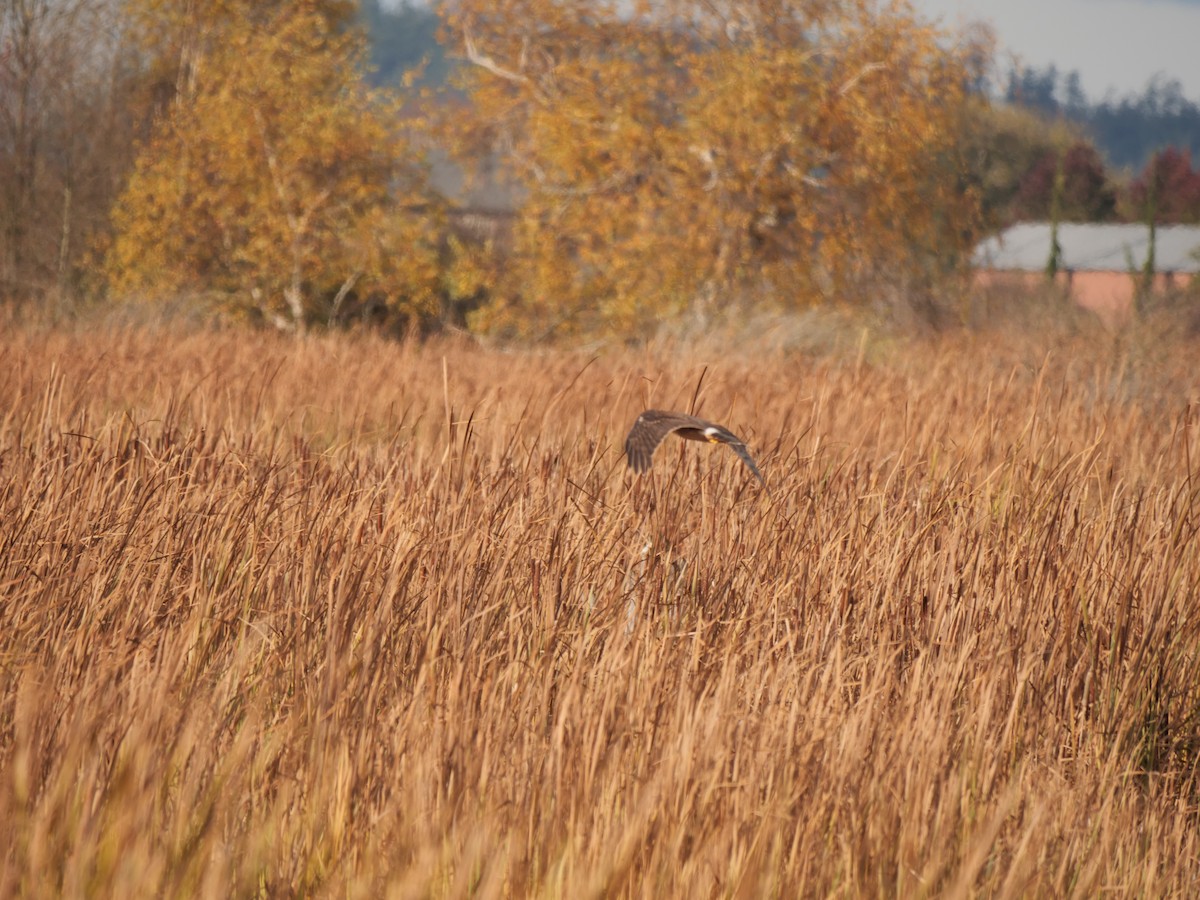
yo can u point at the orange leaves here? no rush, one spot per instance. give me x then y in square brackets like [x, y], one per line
[687, 149]
[272, 176]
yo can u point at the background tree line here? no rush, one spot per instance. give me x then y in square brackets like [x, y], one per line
[1129, 130]
[272, 159]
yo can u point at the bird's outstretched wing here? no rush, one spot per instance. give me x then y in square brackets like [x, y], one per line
[654, 425]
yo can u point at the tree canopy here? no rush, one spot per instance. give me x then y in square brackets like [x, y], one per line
[678, 152]
[1070, 185]
[1168, 189]
[274, 178]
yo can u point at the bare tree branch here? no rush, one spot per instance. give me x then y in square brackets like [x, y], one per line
[346, 288]
[859, 76]
[486, 62]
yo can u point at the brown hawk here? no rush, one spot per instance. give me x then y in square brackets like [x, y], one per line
[654, 425]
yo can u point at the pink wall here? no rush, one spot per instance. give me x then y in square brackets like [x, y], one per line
[1108, 294]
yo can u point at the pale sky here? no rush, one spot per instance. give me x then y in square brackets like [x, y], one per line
[1113, 44]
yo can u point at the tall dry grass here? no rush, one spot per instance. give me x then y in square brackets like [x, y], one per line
[352, 618]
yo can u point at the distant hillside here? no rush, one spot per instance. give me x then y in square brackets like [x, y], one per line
[403, 38]
[1127, 130]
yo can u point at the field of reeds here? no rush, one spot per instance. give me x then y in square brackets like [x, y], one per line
[355, 618]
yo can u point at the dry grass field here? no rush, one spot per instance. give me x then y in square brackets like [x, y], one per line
[354, 618]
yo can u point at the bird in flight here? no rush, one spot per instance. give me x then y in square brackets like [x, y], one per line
[654, 425]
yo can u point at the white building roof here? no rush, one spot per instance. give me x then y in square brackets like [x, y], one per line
[1091, 247]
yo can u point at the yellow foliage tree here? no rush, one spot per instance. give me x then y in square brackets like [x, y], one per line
[273, 178]
[682, 151]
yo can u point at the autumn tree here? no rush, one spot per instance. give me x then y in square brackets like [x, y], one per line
[274, 179]
[1168, 189]
[690, 151]
[1076, 180]
[1001, 144]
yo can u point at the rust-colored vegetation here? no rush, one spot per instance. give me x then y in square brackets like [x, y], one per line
[354, 618]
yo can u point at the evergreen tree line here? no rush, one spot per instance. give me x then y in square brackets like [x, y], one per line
[1128, 130]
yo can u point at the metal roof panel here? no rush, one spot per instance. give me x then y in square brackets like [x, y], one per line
[1025, 247]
